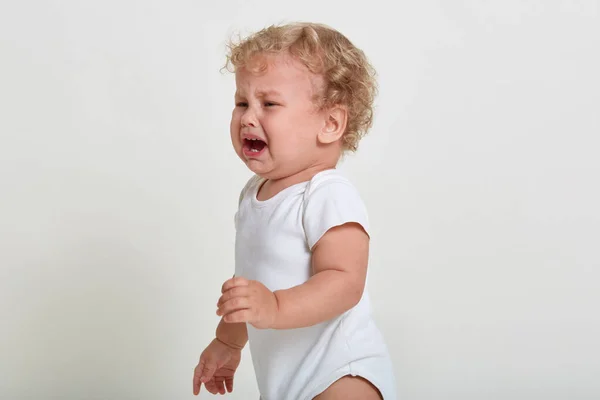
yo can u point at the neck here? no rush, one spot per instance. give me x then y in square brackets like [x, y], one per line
[274, 186]
[327, 158]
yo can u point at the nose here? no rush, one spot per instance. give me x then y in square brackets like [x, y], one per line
[249, 118]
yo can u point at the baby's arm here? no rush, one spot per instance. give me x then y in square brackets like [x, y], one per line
[336, 226]
[339, 263]
[220, 359]
[233, 335]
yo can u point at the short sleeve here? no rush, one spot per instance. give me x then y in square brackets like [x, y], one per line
[332, 203]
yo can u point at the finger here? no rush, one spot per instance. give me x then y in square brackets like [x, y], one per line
[197, 375]
[229, 383]
[208, 371]
[211, 386]
[238, 291]
[237, 303]
[220, 382]
[238, 316]
[233, 282]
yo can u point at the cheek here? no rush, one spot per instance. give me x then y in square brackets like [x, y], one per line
[234, 127]
[305, 130]
[293, 138]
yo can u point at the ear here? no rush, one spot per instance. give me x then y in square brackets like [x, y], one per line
[336, 119]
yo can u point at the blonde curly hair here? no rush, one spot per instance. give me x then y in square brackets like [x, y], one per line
[349, 79]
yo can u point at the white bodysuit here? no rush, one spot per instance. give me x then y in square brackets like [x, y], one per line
[274, 239]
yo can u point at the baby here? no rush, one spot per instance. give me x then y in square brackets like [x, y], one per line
[304, 97]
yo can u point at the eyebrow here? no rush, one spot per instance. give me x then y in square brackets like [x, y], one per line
[263, 93]
[267, 92]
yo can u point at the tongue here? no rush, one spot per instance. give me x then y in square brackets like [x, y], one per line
[257, 145]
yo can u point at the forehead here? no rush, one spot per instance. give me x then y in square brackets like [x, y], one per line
[279, 75]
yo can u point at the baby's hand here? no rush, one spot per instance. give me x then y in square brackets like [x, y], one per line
[248, 301]
[216, 368]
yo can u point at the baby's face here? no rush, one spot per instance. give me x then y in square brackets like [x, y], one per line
[275, 125]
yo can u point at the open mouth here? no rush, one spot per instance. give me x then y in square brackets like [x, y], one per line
[254, 146]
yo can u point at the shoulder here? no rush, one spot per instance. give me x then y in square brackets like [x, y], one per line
[250, 184]
[331, 200]
[331, 184]
[248, 187]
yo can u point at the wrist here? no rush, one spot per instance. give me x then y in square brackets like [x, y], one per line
[232, 335]
[277, 313]
[232, 346]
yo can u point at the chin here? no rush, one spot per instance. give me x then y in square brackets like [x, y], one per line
[257, 167]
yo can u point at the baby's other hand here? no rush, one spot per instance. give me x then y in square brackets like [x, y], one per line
[216, 368]
[248, 301]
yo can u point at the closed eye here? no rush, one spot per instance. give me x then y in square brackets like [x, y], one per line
[266, 104]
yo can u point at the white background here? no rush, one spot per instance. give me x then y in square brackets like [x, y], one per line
[118, 187]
